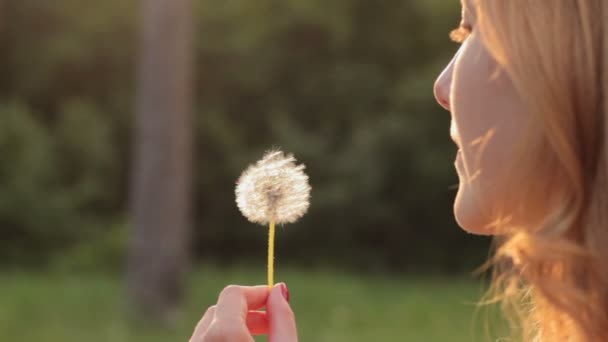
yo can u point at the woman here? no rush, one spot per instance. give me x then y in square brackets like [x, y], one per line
[528, 96]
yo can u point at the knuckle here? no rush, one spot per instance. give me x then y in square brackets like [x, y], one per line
[231, 290]
[210, 311]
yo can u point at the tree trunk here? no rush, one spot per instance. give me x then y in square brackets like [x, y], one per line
[160, 194]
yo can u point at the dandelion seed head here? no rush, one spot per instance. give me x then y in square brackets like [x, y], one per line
[274, 188]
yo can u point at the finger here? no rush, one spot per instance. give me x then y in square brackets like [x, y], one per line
[257, 322]
[203, 324]
[281, 320]
[235, 302]
[224, 331]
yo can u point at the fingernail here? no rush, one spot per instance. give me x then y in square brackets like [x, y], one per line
[284, 291]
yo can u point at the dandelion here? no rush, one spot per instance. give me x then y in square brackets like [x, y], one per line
[273, 191]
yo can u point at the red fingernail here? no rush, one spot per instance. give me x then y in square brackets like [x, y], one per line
[284, 291]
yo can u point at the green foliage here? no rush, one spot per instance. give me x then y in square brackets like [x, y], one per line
[346, 86]
[52, 180]
[332, 307]
[33, 211]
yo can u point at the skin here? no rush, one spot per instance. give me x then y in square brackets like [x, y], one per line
[488, 118]
[236, 316]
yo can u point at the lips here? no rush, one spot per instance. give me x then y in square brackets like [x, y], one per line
[454, 133]
[458, 161]
[456, 140]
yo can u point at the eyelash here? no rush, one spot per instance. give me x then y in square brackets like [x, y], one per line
[461, 33]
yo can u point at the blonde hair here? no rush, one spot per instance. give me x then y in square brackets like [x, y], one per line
[552, 279]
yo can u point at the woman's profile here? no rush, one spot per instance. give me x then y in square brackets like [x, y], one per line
[528, 96]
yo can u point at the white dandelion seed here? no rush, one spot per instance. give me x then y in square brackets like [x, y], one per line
[274, 189]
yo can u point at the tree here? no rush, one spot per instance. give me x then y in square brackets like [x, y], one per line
[161, 175]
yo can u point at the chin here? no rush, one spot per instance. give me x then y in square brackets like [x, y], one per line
[469, 214]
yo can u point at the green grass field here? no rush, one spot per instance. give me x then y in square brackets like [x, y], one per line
[329, 307]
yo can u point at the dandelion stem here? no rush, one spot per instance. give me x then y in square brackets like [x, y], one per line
[271, 255]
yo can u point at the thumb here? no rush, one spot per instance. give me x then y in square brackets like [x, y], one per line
[282, 323]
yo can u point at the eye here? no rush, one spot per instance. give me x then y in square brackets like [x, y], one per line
[461, 33]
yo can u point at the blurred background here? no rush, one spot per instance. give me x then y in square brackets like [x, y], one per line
[123, 128]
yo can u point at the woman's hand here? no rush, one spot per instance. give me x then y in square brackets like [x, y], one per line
[236, 316]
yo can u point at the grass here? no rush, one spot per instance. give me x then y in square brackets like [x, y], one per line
[329, 307]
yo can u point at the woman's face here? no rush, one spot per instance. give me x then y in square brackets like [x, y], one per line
[488, 119]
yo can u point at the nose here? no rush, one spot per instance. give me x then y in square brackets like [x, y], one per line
[442, 87]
